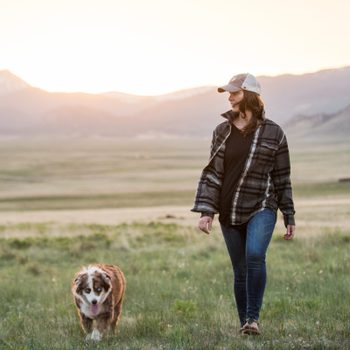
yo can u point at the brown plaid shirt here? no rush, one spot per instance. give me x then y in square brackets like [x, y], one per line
[265, 180]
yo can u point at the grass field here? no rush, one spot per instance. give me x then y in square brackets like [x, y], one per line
[43, 174]
[179, 281]
[179, 290]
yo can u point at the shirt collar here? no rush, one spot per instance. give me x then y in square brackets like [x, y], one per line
[231, 115]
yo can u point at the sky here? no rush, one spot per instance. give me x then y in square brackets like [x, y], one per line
[151, 47]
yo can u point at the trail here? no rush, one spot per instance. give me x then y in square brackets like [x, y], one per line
[100, 216]
[309, 215]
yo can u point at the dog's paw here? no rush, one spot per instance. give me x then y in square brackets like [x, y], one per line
[96, 335]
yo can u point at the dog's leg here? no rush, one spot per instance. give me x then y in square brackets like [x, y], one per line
[86, 324]
[103, 324]
[92, 332]
[117, 313]
[95, 335]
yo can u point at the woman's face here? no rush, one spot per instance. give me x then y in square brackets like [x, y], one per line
[235, 98]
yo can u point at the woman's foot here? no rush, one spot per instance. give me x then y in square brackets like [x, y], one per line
[250, 328]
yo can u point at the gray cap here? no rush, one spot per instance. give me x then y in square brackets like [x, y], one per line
[243, 81]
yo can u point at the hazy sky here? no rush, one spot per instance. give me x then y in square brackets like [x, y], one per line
[158, 46]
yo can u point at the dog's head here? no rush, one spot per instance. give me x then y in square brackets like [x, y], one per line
[92, 286]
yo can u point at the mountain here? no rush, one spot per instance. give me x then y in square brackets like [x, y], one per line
[321, 126]
[26, 110]
[10, 83]
[325, 91]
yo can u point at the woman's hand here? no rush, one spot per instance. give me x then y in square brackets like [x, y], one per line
[205, 224]
[290, 232]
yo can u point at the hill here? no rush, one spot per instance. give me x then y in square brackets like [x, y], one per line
[320, 126]
[27, 110]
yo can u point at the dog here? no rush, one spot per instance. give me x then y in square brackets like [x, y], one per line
[98, 292]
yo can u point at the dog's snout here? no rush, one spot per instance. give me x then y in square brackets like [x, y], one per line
[94, 302]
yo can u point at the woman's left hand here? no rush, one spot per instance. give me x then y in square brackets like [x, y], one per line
[290, 232]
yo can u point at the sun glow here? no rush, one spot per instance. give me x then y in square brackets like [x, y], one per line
[159, 46]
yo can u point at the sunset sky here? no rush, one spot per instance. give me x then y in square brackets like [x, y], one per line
[158, 46]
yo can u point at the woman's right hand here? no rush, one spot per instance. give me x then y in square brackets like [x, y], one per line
[205, 224]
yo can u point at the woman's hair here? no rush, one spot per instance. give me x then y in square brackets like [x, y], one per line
[252, 102]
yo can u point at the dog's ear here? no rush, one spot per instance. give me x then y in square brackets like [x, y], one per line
[107, 281]
[80, 281]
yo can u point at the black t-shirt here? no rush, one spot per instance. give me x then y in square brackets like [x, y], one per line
[236, 153]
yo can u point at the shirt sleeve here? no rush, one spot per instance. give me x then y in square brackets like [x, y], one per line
[212, 144]
[282, 183]
[200, 203]
[211, 155]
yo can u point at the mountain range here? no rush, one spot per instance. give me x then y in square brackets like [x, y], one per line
[320, 127]
[312, 105]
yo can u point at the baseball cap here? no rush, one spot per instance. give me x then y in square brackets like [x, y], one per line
[244, 81]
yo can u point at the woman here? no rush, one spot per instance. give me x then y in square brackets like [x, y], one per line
[246, 180]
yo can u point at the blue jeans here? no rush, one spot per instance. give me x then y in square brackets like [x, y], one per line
[247, 245]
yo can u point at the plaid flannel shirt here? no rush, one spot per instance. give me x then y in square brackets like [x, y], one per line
[265, 180]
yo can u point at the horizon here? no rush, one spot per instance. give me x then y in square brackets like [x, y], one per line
[169, 92]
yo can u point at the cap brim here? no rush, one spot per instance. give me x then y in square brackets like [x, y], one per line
[228, 88]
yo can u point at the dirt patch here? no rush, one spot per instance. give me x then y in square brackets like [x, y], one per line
[308, 211]
[181, 215]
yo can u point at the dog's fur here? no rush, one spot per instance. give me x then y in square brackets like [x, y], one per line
[98, 292]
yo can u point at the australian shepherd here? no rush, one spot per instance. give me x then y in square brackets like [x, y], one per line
[98, 292]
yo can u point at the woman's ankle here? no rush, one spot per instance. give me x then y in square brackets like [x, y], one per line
[251, 320]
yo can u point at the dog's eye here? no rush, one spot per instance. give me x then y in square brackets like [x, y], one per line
[87, 290]
[99, 289]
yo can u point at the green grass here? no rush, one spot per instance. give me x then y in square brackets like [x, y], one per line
[179, 289]
[179, 282]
